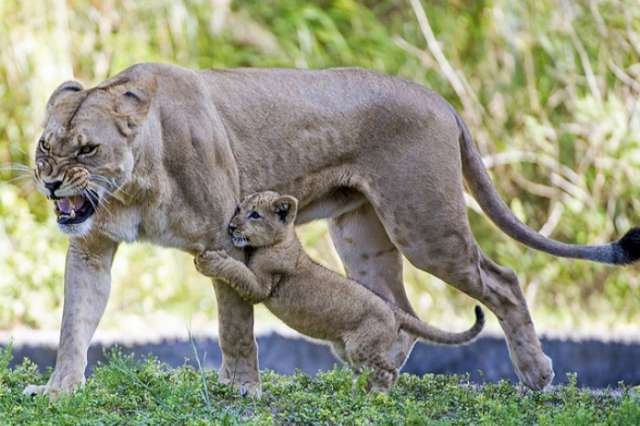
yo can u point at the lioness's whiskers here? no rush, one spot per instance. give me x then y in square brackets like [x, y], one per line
[20, 170]
[101, 184]
[100, 178]
[87, 194]
[109, 181]
[107, 184]
[19, 177]
[16, 167]
[104, 202]
[109, 193]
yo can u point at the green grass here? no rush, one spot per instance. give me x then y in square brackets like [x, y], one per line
[125, 391]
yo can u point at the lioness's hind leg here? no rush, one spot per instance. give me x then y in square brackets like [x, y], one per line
[465, 267]
[443, 245]
[372, 260]
[421, 205]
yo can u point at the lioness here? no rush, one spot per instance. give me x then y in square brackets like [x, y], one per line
[162, 154]
[311, 299]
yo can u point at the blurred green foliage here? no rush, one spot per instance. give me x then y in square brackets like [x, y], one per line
[549, 88]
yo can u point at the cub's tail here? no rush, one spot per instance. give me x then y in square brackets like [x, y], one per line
[433, 334]
[624, 251]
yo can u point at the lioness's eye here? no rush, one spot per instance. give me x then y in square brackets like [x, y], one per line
[44, 146]
[254, 215]
[88, 150]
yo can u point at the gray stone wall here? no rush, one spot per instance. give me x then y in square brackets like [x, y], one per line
[598, 364]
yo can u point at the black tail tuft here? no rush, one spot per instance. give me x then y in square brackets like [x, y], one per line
[630, 246]
[479, 315]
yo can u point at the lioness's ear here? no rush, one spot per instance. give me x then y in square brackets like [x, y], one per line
[63, 90]
[286, 207]
[132, 106]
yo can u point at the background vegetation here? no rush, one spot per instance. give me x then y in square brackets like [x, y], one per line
[549, 88]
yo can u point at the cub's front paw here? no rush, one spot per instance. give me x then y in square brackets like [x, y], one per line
[209, 262]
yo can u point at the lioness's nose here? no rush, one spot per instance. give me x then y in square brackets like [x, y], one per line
[52, 186]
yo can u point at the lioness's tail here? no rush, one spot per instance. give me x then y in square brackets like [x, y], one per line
[433, 334]
[624, 251]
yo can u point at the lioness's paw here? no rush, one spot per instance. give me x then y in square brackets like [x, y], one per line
[246, 382]
[33, 390]
[247, 389]
[57, 386]
[53, 393]
[250, 390]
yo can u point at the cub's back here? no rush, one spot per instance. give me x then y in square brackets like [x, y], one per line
[313, 296]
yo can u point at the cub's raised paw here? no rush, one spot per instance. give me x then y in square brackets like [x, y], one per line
[208, 262]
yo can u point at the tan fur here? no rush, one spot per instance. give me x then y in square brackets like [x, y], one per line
[381, 158]
[310, 298]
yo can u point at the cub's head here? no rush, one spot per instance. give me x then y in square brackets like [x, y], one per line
[86, 151]
[263, 219]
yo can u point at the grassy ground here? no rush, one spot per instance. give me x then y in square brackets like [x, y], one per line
[124, 391]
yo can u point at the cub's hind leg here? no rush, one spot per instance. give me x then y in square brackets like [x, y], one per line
[370, 350]
[338, 349]
[383, 374]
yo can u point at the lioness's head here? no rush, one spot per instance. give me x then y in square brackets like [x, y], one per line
[263, 219]
[85, 152]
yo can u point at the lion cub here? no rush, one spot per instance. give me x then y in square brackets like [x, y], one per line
[313, 300]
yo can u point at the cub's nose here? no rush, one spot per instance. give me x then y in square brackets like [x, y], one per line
[232, 228]
[52, 186]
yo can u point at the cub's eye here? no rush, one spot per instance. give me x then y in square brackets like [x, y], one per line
[44, 145]
[254, 215]
[88, 150]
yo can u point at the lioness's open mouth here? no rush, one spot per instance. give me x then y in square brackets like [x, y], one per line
[76, 209]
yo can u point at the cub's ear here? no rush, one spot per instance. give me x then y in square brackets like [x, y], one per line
[63, 90]
[131, 107]
[286, 207]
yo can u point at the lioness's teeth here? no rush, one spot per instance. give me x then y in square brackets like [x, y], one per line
[72, 214]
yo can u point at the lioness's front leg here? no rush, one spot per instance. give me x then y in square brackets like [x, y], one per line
[218, 264]
[87, 282]
[239, 348]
